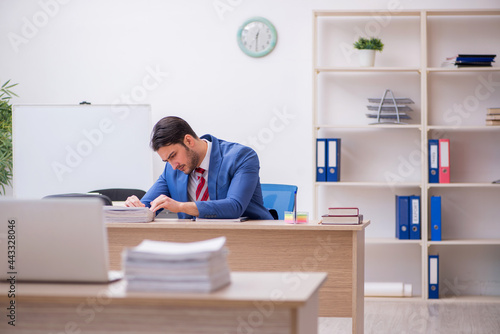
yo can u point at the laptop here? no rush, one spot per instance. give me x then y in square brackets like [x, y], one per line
[54, 240]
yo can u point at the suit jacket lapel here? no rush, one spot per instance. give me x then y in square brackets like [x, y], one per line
[182, 187]
[215, 162]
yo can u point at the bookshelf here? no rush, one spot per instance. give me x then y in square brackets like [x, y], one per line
[384, 160]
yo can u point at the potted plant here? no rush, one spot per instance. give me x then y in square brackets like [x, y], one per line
[5, 135]
[367, 48]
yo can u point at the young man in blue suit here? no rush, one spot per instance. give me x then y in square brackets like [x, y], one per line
[229, 171]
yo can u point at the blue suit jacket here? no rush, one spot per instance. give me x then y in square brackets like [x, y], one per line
[233, 184]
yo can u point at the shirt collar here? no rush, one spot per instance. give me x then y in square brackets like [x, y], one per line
[206, 160]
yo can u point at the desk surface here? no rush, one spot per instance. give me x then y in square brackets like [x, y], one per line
[272, 246]
[254, 302]
[246, 225]
[246, 288]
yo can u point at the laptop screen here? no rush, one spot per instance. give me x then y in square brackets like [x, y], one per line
[60, 240]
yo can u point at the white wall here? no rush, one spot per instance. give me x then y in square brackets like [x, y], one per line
[182, 58]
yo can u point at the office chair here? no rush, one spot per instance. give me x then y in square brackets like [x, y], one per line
[105, 199]
[279, 197]
[119, 194]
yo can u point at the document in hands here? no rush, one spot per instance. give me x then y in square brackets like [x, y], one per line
[122, 214]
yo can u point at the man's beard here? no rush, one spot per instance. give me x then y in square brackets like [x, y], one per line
[192, 160]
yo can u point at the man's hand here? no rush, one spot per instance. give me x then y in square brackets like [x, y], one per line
[134, 201]
[165, 202]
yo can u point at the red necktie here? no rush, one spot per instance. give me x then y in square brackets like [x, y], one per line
[202, 189]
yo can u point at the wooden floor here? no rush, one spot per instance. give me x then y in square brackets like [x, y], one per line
[419, 316]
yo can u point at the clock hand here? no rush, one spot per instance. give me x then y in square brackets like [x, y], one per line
[257, 41]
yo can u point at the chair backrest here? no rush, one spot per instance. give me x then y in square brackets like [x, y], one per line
[119, 194]
[103, 198]
[281, 197]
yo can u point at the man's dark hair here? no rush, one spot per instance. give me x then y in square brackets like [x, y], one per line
[170, 130]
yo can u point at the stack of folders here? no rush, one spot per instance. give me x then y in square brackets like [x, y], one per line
[169, 266]
[470, 60]
[493, 116]
[439, 161]
[342, 216]
[328, 159]
[122, 214]
[408, 220]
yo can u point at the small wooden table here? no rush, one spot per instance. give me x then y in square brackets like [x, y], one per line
[259, 303]
[272, 245]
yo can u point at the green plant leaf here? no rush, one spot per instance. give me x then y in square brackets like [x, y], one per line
[13, 85]
[369, 44]
[6, 135]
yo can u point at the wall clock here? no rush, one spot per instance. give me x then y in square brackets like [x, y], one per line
[257, 37]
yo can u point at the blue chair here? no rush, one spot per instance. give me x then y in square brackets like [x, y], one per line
[280, 197]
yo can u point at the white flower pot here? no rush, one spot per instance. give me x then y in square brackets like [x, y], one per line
[366, 58]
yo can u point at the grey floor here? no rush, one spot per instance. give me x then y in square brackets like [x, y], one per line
[419, 316]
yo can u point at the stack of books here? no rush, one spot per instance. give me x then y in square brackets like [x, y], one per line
[493, 116]
[170, 266]
[122, 214]
[470, 60]
[342, 216]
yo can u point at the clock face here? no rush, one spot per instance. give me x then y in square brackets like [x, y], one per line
[257, 37]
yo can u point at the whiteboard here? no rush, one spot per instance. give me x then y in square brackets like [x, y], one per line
[61, 149]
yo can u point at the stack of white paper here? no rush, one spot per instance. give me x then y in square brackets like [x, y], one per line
[121, 214]
[169, 266]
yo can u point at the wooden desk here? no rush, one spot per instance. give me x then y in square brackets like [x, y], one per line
[253, 303]
[273, 246]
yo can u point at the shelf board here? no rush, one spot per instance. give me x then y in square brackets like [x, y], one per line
[392, 241]
[368, 184]
[462, 12]
[463, 69]
[463, 185]
[374, 69]
[363, 12]
[459, 242]
[395, 299]
[464, 128]
[417, 13]
[410, 126]
[374, 126]
[366, 69]
[320, 69]
[468, 298]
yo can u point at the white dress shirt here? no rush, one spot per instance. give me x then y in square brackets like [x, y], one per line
[193, 181]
